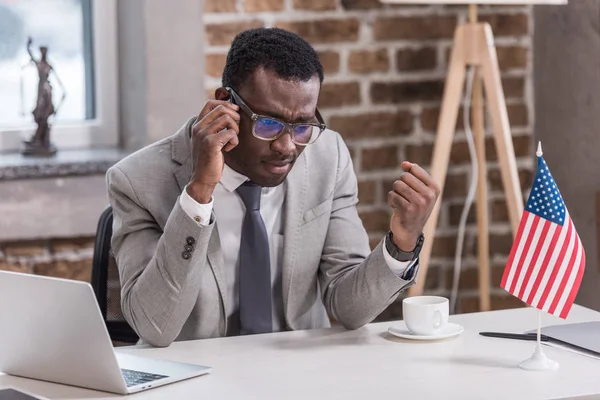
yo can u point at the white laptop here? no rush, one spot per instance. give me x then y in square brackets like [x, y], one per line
[51, 329]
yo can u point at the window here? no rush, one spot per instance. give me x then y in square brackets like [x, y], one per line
[80, 36]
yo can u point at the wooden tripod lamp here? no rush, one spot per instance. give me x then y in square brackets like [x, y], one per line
[473, 45]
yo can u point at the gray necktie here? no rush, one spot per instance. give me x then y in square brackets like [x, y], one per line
[255, 266]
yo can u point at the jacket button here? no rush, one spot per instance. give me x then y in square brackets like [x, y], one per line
[188, 247]
[185, 255]
[190, 240]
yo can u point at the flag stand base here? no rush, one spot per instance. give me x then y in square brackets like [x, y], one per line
[538, 361]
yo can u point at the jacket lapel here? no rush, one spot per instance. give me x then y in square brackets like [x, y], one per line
[181, 153]
[295, 203]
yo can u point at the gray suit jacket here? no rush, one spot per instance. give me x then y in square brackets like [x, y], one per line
[328, 266]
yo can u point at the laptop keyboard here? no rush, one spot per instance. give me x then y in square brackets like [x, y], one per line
[133, 378]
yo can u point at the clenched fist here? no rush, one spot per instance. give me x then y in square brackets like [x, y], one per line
[216, 130]
[412, 198]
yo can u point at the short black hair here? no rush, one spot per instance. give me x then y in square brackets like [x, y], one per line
[283, 52]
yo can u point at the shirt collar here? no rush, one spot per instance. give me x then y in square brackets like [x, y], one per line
[231, 179]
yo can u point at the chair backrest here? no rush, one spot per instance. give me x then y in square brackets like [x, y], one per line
[106, 284]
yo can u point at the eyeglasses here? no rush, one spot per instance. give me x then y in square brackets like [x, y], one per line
[269, 128]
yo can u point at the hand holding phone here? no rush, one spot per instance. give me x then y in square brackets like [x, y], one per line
[215, 131]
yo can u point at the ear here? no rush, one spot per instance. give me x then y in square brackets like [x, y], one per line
[222, 94]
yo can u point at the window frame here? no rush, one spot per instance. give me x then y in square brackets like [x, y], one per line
[103, 130]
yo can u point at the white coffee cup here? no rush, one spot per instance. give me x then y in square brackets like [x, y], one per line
[425, 315]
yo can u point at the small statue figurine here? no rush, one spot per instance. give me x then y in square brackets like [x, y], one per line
[39, 144]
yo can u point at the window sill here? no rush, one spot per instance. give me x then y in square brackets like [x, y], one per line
[15, 166]
[58, 197]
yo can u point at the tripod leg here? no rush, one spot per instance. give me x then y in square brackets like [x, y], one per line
[443, 144]
[483, 251]
[502, 134]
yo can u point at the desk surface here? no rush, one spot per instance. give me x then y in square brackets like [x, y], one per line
[367, 363]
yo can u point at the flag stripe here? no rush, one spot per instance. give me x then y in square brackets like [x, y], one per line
[575, 288]
[545, 239]
[567, 278]
[516, 251]
[530, 249]
[547, 268]
[540, 269]
[555, 268]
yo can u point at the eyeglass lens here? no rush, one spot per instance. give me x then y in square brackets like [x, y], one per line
[267, 128]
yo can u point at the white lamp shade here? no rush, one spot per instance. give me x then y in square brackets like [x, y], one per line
[480, 2]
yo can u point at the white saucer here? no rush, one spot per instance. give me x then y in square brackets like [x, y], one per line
[449, 330]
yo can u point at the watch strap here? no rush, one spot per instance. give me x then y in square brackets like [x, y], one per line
[400, 254]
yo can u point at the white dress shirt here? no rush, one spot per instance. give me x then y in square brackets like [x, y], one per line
[229, 212]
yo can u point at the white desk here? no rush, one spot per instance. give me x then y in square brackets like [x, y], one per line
[368, 364]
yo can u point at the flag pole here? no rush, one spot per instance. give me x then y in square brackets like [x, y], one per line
[538, 361]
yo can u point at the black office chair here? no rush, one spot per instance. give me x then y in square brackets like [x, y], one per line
[105, 281]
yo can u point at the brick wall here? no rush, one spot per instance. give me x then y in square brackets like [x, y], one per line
[65, 258]
[384, 68]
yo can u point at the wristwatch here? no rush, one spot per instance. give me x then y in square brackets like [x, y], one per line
[399, 254]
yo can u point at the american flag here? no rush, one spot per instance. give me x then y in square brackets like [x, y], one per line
[547, 259]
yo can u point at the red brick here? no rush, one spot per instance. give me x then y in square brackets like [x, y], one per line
[522, 146]
[361, 4]
[324, 30]
[315, 5]
[25, 249]
[507, 24]
[414, 28]
[215, 63]
[380, 158]
[430, 117]
[215, 6]
[365, 61]
[376, 221]
[512, 57]
[456, 185]
[434, 280]
[445, 246]
[263, 5]
[377, 124]
[460, 150]
[406, 92]
[72, 245]
[367, 193]
[495, 179]
[78, 270]
[514, 87]
[469, 278]
[517, 115]
[455, 213]
[224, 33]
[420, 154]
[416, 59]
[499, 211]
[339, 94]
[471, 304]
[330, 61]
[16, 267]
[500, 244]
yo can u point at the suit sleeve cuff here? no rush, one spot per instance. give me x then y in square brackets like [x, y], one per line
[200, 213]
[402, 269]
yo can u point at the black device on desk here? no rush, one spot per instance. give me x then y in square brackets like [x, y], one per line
[13, 394]
[583, 337]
